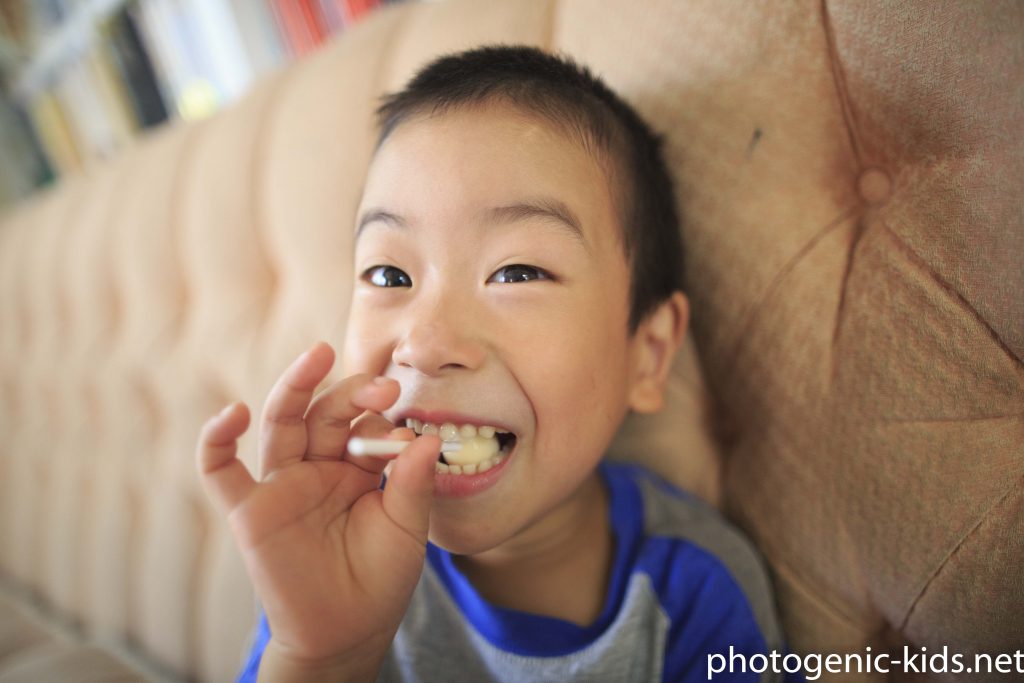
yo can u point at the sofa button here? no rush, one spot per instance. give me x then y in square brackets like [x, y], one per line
[874, 186]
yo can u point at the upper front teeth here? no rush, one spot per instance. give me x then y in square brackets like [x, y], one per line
[451, 432]
[478, 449]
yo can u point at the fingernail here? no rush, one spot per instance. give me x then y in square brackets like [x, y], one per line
[226, 410]
[367, 390]
[382, 381]
[308, 352]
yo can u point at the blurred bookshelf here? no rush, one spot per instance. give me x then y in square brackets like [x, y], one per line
[79, 79]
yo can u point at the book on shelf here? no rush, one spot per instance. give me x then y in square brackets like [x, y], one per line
[14, 24]
[112, 89]
[300, 35]
[94, 132]
[305, 24]
[198, 53]
[123, 45]
[51, 124]
[25, 166]
[333, 18]
[94, 73]
[354, 10]
[260, 35]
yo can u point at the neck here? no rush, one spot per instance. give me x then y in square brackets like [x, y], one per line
[558, 568]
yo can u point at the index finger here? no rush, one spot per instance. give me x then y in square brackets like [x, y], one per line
[331, 417]
[282, 428]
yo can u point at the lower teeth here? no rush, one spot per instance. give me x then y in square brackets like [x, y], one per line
[474, 468]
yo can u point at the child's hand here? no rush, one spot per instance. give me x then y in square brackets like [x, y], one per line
[333, 559]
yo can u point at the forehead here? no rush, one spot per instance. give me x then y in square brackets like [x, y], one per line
[474, 159]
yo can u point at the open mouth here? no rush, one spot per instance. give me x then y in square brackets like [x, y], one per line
[481, 447]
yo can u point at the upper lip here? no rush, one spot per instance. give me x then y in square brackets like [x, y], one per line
[439, 417]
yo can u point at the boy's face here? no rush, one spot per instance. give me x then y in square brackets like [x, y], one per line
[489, 311]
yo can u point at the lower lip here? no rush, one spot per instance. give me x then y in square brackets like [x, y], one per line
[462, 485]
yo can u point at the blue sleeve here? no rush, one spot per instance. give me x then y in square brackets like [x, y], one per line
[709, 614]
[260, 639]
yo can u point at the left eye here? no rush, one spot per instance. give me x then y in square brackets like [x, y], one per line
[518, 273]
[387, 276]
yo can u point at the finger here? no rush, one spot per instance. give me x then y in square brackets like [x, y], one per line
[329, 419]
[410, 487]
[402, 434]
[283, 431]
[225, 478]
[373, 426]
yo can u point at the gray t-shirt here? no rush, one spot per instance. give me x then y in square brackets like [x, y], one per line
[684, 585]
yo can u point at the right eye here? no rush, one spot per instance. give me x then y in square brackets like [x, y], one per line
[387, 276]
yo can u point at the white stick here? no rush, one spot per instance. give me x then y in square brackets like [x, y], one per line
[361, 447]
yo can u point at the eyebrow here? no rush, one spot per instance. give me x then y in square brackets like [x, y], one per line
[544, 207]
[381, 216]
[539, 208]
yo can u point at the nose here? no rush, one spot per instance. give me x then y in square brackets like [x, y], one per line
[439, 340]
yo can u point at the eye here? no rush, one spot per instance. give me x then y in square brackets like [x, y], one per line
[518, 273]
[387, 276]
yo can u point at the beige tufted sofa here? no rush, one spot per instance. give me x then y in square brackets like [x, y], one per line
[850, 173]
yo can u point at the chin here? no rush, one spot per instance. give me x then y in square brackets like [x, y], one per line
[463, 538]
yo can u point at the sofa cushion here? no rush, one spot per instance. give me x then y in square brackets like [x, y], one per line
[33, 650]
[17, 632]
[848, 172]
[56, 661]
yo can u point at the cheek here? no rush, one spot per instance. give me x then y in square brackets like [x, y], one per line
[366, 347]
[575, 379]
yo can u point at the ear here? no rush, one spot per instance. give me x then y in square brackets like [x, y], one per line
[653, 348]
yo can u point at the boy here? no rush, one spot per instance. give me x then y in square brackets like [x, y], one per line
[518, 290]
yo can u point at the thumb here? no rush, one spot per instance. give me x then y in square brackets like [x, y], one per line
[410, 487]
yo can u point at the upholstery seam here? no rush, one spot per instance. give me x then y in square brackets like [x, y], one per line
[258, 184]
[858, 233]
[984, 517]
[950, 291]
[838, 221]
[801, 583]
[839, 80]
[186, 159]
[945, 420]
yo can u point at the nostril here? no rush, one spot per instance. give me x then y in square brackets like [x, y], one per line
[431, 350]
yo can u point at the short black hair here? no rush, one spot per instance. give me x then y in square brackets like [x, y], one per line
[568, 95]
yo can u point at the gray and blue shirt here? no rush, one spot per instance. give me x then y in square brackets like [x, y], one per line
[684, 585]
